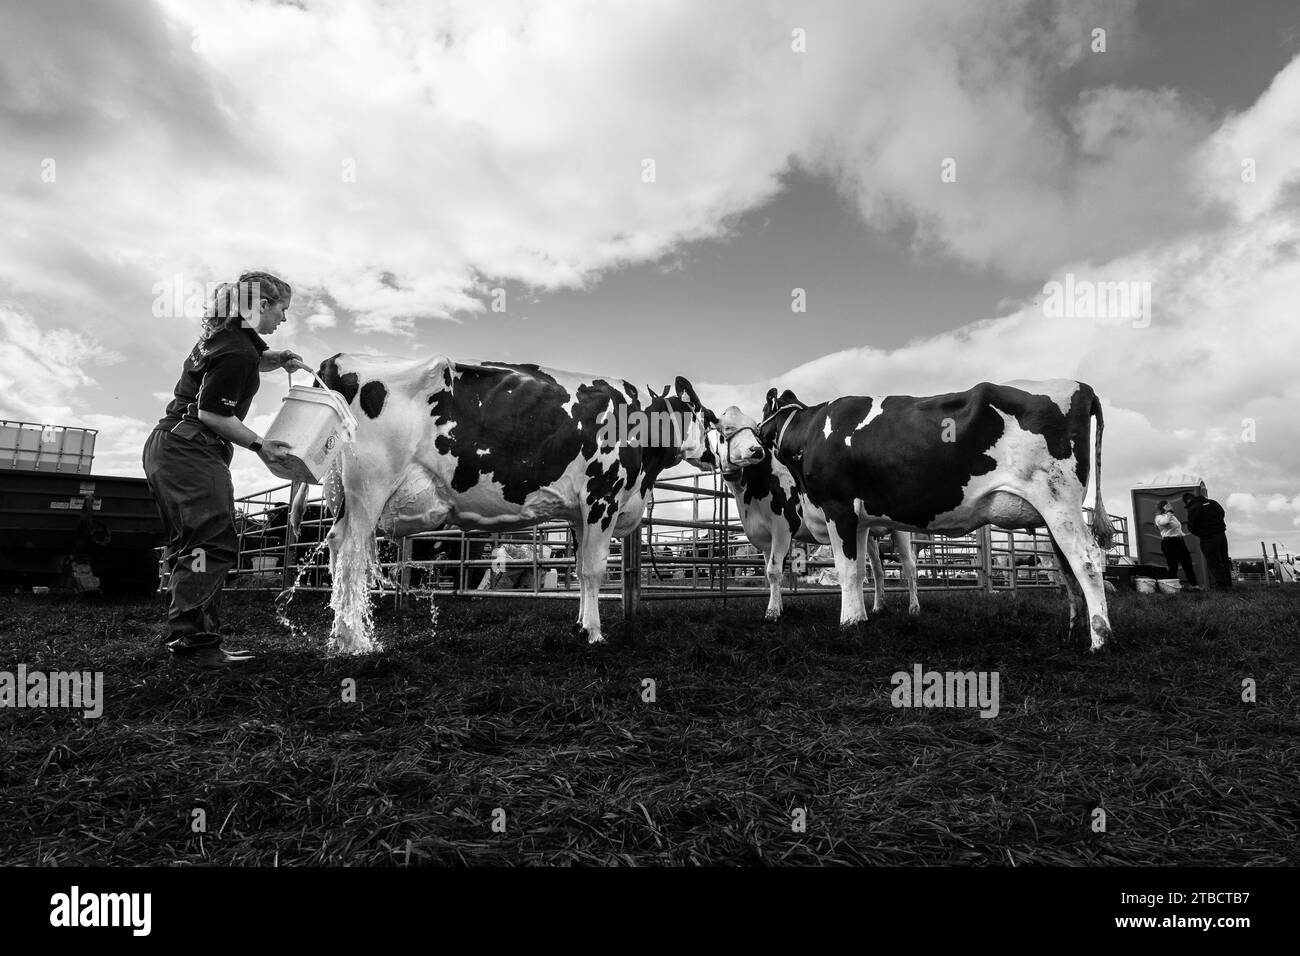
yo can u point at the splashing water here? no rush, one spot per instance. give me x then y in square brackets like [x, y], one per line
[354, 627]
[427, 593]
[355, 568]
[285, 597]
[412, 593]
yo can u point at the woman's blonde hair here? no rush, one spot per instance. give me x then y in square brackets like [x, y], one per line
[232, 299]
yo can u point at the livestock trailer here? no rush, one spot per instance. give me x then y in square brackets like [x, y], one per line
[61, 526]
[1145, 499]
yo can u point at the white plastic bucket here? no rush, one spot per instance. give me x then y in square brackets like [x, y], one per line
[316, 422]
[1169, 585]
[1145, 585]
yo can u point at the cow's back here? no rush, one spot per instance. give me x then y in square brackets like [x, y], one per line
[494, 444]
[911, 459]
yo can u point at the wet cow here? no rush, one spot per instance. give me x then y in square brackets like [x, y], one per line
[493, 446]
[1015, 456]
[775, 513]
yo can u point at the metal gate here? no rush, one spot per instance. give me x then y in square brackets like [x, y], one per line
[670, 557]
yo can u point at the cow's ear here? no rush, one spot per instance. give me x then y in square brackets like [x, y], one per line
[687, 393]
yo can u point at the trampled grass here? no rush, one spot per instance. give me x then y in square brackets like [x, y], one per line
[502, 709]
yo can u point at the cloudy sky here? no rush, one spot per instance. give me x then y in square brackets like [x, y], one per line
[648, 183]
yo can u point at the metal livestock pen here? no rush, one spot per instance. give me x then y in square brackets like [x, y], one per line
[680, 557]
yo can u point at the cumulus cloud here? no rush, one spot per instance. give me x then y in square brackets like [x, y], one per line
[513, 140]
[42, 374]
[322, 318]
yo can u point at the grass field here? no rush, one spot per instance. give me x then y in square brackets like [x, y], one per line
[502, 710]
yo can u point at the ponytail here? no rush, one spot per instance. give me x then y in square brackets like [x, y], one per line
[232, 300]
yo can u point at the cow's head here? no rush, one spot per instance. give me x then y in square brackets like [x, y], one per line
[696, 421]
[736, 442]
[775, 403]
[770, 427]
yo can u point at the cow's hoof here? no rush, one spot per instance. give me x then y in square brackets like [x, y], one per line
[595, 639]
[914, 609]
[772, 617]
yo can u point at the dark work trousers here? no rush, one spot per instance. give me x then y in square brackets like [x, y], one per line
[1215, 549]
[189, 474]
[1176, 553]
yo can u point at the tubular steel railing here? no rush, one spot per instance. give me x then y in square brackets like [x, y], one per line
[704, 556]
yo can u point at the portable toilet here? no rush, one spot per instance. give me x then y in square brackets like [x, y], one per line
[1147, 535]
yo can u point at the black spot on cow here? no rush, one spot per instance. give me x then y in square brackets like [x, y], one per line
[530, 428]
[345, 385]
[603, 487]
[519, 416]
[757, 482]
[373, 395]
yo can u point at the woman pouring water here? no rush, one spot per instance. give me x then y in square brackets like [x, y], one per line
[187, 456]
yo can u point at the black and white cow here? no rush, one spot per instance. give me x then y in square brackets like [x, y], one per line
[775, 513]
[492, 446]
[1015, 456]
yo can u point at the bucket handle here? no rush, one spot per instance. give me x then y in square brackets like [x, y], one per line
[312, 374]
[349, 420]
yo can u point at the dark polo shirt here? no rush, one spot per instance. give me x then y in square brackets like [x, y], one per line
[219, 376]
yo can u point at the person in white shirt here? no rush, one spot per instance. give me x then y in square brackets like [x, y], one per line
[1172, 543]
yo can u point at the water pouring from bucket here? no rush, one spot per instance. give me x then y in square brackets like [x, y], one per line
[317, 423]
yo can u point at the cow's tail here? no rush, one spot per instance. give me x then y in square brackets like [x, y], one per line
[296, 508]
[333, 493]
[1102, 528]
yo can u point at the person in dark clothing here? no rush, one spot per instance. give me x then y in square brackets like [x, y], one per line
[1173, 545]
[187, 457]
[1205, 519]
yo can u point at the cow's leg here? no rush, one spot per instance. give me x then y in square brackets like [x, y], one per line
[1083, 556]
[577, 527]
[777, 548]
[903, 545]
[1069, 583]
[843, 528]
[868, 542]
[593, 557]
